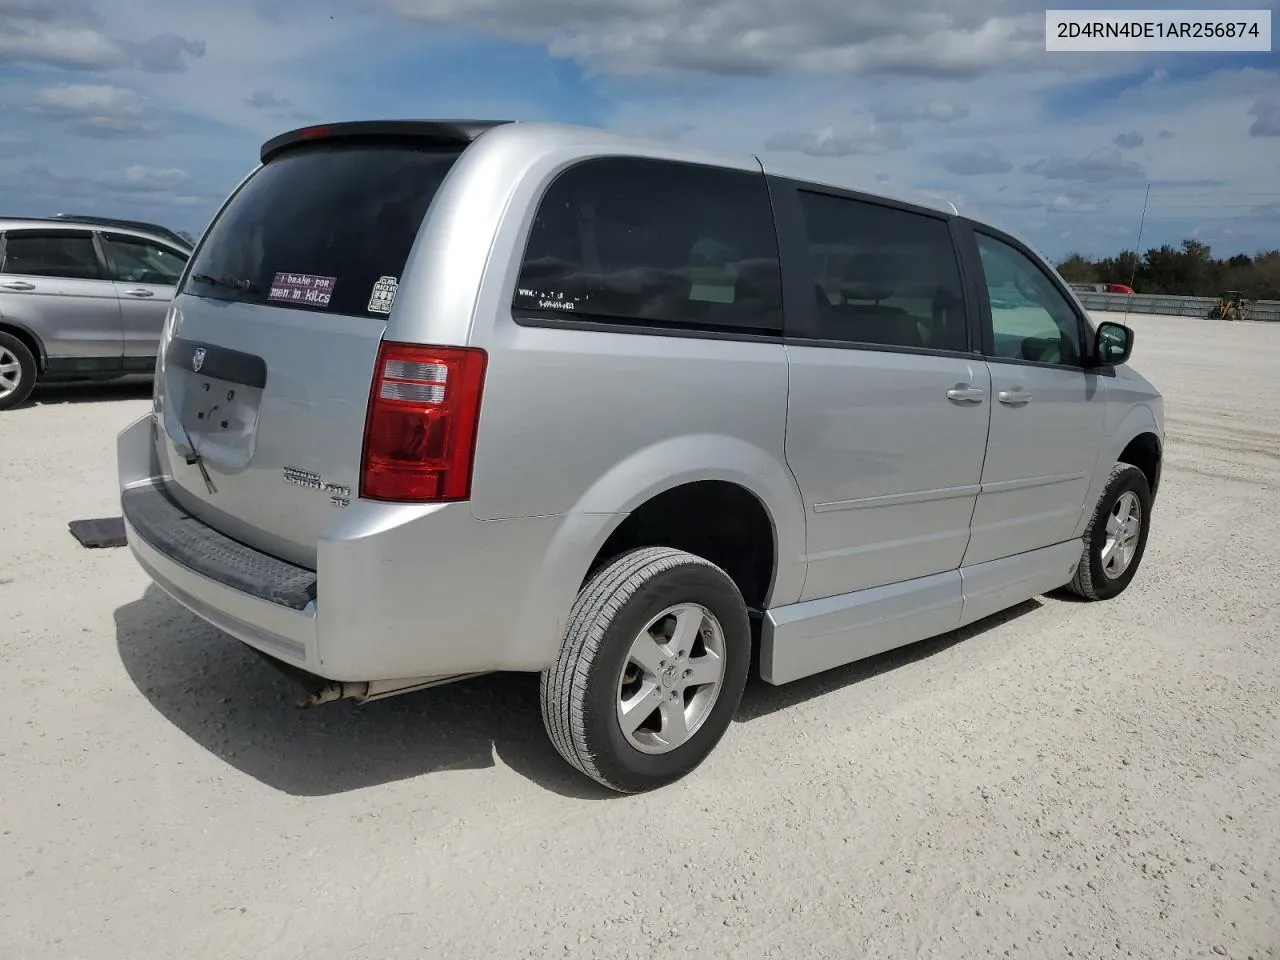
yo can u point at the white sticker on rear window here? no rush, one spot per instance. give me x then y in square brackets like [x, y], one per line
[384, 294]
[302, 288]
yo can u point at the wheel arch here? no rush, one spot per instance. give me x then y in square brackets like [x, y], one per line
[680, 463]
[29, 339]
[1146, 452]
[646, 477]
[718, 520]
[1137, 437]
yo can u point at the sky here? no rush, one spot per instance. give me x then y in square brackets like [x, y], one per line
[155, 109]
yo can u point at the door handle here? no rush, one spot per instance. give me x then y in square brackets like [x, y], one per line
[962, 393]
[17, 285]
[139, 292]
[1014, 398]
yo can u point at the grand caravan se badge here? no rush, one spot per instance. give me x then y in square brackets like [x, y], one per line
[339, 494]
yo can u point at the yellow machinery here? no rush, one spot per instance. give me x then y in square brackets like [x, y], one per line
[1230, 306]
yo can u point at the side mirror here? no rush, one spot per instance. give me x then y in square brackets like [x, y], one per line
[1112, 344]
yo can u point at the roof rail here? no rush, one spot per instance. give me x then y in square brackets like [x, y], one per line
[127, 224]
[459, 132]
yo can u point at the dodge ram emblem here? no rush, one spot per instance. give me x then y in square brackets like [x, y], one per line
[197, 360]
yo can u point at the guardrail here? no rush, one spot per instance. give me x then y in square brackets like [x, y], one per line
[1267, 310]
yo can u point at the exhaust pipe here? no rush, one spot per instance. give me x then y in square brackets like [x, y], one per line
[329, 692]
[364, 691]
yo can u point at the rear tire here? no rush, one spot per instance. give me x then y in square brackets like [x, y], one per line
[651, 670]
[18, 371]
[1116, 537]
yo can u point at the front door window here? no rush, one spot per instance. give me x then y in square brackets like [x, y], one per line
[1031, 320]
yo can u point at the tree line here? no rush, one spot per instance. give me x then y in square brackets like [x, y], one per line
[1189, 271]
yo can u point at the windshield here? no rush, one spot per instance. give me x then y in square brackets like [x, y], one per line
[325, 228]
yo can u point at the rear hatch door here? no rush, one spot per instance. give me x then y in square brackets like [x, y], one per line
[265, 371]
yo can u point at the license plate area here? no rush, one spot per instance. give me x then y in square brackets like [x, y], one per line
[213, 396]
[216, 419]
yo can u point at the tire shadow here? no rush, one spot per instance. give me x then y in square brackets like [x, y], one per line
[1063, 595]
[222, 695]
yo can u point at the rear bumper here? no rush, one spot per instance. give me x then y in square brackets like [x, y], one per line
[400, 591]
[263, 601]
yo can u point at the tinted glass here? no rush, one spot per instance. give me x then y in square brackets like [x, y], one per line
[655, 243]
[883, 276]
[140, 261]
[318, 228]
[1030, 318]
[69, 256]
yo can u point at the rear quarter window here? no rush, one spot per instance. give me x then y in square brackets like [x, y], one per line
[654, 243]
[322, 228]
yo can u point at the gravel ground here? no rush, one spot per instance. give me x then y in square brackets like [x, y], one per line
[1067, 780]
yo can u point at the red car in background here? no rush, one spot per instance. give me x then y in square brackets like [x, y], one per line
[1102, 288]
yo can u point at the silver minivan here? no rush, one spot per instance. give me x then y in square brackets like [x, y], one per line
[438, 399]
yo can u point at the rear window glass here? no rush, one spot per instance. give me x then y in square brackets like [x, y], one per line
[324, 228]
[654, 243]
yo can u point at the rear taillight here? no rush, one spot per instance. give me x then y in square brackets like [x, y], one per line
[420, 434]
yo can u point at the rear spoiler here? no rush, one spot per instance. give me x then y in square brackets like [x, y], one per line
[436, 132]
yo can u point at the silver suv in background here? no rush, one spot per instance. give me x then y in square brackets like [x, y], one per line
[437, 399]
[82, 299]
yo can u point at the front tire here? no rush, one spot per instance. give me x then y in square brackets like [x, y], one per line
[651, 669]
[17, 371]
[1116, 537]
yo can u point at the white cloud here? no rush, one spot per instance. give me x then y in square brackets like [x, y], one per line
[98, 110]
[78, 48]
[1065, 203]
[759, 37]
[938, 111]
[266, 101]
[830, 142]
[667, 131]
[1267, 112]
[137, 177]
[67, 34]
[11, 146]
[115, 128]
[978, 162]
[77, 99]
[1096, 168]
[164, 52]
[118, 189]
[300, 51]
[1161, 93]
[972, 163]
